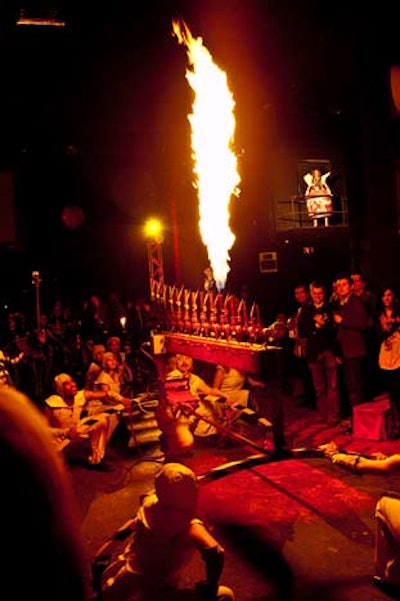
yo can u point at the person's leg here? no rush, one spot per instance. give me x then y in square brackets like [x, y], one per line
[318, 380]
[98, 441]
[353, 370]
[332, 388]
[387, 545]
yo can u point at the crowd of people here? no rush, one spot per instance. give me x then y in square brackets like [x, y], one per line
[81, 370]
[67, 340]
[341, 344]
[65, 386]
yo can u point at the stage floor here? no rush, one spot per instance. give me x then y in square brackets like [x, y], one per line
[295, 528]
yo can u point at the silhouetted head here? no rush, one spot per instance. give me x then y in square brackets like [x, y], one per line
[176, 487]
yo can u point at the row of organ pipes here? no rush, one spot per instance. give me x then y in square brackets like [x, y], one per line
[216, 315]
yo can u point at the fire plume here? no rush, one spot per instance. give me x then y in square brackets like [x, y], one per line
[212, 138]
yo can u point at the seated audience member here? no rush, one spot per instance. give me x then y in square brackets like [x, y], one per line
[387, 512]
[71, 421]
[179, 424]
[113, 345]
[236, 386]
[95, 366]
[37, 504]
[126, 378]
[211, 408]
[167, 532]
[111, 379]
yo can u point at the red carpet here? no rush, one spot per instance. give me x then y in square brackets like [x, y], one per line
[278, 494]
[271, 496]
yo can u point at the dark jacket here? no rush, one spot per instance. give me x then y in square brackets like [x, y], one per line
[352, 330]
[318, 339]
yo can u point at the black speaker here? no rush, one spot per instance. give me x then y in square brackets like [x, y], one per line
[8, 230]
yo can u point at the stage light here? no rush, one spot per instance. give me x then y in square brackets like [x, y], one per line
[32, 14]
[154, 230]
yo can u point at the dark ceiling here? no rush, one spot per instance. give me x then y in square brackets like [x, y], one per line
[94, 114]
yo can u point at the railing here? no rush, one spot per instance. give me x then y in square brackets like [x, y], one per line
[292, 214]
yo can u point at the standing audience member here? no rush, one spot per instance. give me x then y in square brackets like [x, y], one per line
[369, 299]
[247, 297]
[302, 297]
[315, 325]
[59, 335]
[37, 504]
[301, 372]
[361, 290]
[387, 514]
[115, 311]
[6, 368]
[16, 333]
[388, 328]
[40, 358]
[139, 321]
[17, 340]
[278, 335]
[209, 284]
[351, 319]
[79, 360]
[94, 320]
[167, 532]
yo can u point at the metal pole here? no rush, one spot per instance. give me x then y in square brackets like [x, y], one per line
[36, 281]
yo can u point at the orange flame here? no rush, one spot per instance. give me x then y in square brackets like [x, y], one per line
[212, 137]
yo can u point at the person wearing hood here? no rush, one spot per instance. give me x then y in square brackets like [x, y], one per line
[166, 533]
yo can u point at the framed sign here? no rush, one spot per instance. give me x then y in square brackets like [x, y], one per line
[268, 262]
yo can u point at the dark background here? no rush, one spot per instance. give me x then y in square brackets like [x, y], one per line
[94, 116]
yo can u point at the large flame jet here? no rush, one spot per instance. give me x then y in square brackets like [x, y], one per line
[212, 138]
